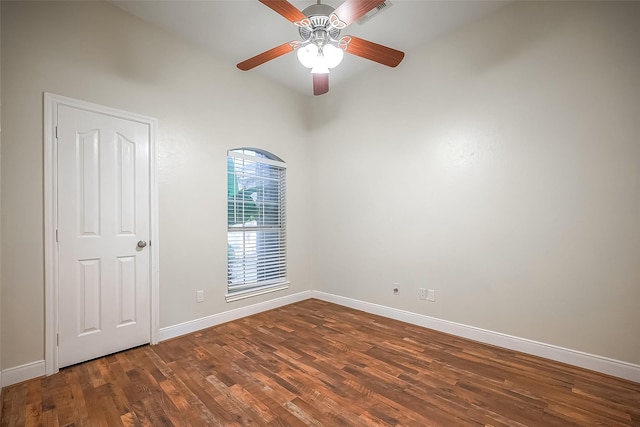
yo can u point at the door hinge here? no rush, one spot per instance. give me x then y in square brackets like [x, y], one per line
[57, 339]
[56, 131]
[57, 235]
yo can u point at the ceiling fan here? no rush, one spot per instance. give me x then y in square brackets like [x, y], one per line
[321, 46]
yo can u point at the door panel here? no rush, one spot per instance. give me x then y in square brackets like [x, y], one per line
[103, 211]
[126, 187]
[126, 290]
[89, 182]
[88, 308]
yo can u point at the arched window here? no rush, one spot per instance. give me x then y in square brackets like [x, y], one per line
[256, 232]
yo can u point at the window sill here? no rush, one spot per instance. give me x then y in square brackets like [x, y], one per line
[255, 292]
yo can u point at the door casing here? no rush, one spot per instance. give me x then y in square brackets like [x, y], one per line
[51, 103]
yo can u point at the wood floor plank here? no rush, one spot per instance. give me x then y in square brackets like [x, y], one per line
[318, 364]
[33, 410]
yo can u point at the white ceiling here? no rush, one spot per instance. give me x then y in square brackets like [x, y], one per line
[235, 30]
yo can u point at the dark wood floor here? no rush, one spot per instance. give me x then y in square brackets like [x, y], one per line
[315, 363]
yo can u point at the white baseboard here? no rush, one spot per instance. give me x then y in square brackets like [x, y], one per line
[596, 363]
[227, 316]
[593, 362]
[17, 374]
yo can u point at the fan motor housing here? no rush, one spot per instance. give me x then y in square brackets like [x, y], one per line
[318, 14]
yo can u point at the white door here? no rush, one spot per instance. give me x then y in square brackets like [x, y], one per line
[103, 234]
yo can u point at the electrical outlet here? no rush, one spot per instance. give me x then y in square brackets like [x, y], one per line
[431, 295]
[396, 288]
[423, 293]
[200, 296]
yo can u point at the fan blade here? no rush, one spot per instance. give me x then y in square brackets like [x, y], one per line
[320, 83]
[372, 51]
[266, 56]
[286, 9]
[352, 10]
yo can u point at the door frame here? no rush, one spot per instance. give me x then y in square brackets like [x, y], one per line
[51, 104]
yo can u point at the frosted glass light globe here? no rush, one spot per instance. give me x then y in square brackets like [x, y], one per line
[333, 55]
[320, 67]
[307, 55]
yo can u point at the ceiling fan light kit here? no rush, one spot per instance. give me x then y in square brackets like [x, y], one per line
[314, 57]
[321, 47]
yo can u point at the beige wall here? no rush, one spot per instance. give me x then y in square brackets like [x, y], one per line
[498, 165]
[95, 52]
[0, 200]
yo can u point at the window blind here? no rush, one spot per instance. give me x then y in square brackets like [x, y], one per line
[256, 233]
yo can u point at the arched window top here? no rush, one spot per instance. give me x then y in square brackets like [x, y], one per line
[256, 152]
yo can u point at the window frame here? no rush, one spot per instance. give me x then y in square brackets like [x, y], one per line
[274, 235]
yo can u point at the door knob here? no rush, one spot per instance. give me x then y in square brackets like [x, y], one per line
[142, 244]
